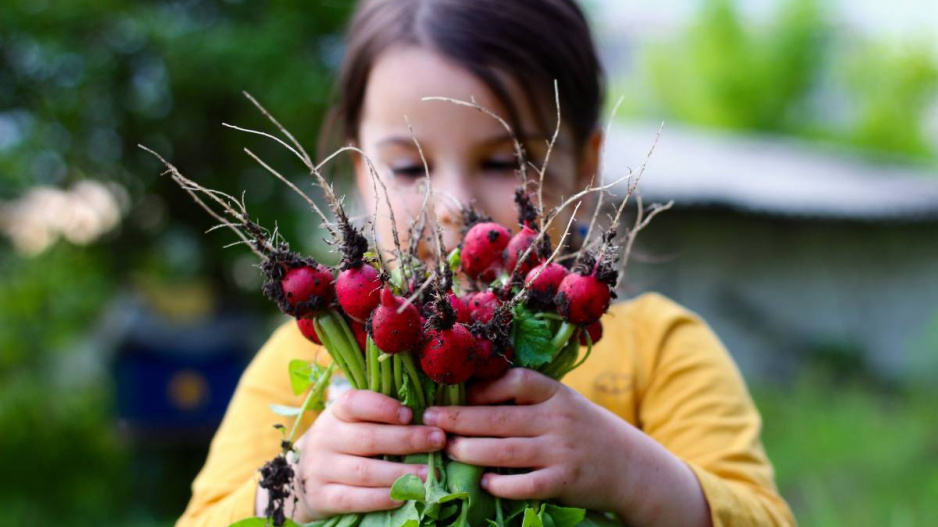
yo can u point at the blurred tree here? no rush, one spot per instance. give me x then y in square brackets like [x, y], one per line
[81, 84]
[797, 74]
[736, 77]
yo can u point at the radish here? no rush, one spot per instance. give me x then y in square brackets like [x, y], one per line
[582, 299]
[543, 283]
[448, 355]
[300, 286]
[306, 328]
[595, 331]
[482, 307]
[481, 253]
[361, 334]
[515, 249]
[393, 331]
[357, 289]
[491, 364]
[460, 307]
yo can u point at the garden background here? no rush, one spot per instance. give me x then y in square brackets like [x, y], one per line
[123, 326]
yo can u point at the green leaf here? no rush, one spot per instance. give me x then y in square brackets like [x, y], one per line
[565, 516]
[377, 519]
[406, 515]
[598, 519]
[349, 520]
[454, 259]
[531, 519]
[408, 487]
[300, 373]
[532, 338]
[286, 411]
[250, 522]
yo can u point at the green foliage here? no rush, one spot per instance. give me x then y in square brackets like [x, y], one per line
[532, 339]
[731, 76]
[847, 453]
[796, 74]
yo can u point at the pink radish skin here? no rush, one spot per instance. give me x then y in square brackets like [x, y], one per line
[482, 307]
[460, 307]
[582, 300]
[357, 290]
[490, 364]
[542, 289]
[308, 290]
[394, 332]
[481, 253]
[308, 331]
[595, 331]
[516, 247]
[361, 334]
[448, 355]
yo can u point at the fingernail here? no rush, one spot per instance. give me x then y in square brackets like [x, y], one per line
[431, 416]
[437, 438]
[404, 414]
[485, 482]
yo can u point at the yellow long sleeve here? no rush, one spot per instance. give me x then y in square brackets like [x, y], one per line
[658, 367]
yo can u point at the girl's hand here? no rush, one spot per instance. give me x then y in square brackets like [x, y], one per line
[581, 454]
[336, 473]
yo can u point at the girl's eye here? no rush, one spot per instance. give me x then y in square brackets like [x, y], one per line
[499, 165]
[410, 171]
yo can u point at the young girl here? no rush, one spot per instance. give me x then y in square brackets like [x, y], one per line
[657, 426]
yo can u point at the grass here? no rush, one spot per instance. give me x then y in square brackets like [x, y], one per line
[849, 454]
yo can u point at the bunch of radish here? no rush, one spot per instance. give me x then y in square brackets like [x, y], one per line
[419, 331]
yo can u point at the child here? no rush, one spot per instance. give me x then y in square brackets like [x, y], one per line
[657, 426]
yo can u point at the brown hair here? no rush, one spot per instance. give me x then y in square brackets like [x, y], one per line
[532, 41]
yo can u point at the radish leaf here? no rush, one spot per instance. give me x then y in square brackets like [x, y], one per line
[532, 339]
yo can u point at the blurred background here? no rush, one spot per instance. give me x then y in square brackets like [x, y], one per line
[800, 146]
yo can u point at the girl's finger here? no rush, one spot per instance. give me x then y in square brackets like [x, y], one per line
[521, 385]
[346, 498]
[541, 484]
[363, 405]
[509, 452]
[489, 421]
[366, 472]
[368, 439]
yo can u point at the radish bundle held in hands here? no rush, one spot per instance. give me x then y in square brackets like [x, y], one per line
[418, 331]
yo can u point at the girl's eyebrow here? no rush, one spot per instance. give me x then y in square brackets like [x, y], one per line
[493, 140]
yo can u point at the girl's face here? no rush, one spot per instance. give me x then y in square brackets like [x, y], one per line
[469, 154]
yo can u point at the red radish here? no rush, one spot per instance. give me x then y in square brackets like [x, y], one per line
[394, 332]
[481, 253]
[308, 331]
[448, 355]
[491, 364]
[582, 300]
[482, 307]
[460, 307]
[361, 334]
[516, 247]
[544, 283]
[308, 289]
[357, 289]
[595, 331]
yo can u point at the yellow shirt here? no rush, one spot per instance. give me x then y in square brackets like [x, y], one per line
[658, 366]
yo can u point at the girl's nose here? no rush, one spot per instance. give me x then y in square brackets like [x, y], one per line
[452, 190]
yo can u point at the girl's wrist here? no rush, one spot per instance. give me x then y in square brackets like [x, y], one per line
[654, 486]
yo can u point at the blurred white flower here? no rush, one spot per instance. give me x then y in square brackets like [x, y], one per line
[43, 215]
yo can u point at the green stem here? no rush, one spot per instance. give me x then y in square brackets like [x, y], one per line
[564, 332]
[315, 393]
[337, 356]
[589, 349]
[371, 352]
[411, 368]
[386, 377]
[357, 359]
[452, 395]
[398, 374]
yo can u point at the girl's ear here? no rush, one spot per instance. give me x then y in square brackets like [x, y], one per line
[589, 160]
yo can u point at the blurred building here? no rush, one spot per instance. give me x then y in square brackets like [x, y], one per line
[790, 251]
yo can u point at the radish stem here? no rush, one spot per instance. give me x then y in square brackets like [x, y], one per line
[314, 394]
[411, 368]
[562, 336]
[373, 373]
[386, 377]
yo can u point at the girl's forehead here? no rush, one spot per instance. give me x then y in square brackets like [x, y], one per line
[402, 77]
